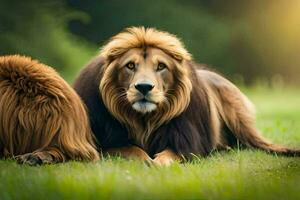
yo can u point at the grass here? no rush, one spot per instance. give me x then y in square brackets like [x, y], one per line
[245, 174]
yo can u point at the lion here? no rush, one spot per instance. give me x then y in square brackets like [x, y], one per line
[148, 100]
[42, 119]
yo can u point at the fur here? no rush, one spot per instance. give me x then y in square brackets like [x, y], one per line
[42, 119]
[203, 112]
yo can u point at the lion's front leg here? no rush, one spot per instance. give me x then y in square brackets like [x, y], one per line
[166, 158]
[130, 152]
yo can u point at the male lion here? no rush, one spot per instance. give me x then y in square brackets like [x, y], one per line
[42, 119]
[147, 99]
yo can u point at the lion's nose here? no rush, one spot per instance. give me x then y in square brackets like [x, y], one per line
[144, 88]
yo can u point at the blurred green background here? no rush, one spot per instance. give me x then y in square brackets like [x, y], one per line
[248, 41]
[252, 42]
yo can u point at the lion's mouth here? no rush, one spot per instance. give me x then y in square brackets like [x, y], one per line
[144, 100]
[144, 105]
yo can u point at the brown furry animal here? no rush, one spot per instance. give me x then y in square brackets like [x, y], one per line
[42, 119]
[147, 99]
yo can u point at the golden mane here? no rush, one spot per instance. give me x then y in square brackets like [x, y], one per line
[177, 100]
[139, 37]
[42, 119]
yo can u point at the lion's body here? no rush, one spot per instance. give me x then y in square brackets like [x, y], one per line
[42, 119]
[231, 117]
[201, 112]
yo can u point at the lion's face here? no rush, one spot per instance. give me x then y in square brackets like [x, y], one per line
[147, 76]
[146, 72]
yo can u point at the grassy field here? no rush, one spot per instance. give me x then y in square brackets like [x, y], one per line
[239, 174]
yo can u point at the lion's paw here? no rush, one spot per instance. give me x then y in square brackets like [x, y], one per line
[34, 159]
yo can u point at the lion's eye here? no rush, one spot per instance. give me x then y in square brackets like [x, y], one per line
[130, 65]
[161, 66]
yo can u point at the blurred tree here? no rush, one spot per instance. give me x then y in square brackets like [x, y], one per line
[240, 38]
[39, 29]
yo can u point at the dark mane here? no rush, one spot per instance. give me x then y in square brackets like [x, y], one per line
[108, 131]
[190, 131]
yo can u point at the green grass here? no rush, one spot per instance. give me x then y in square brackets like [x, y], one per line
[244, 174]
